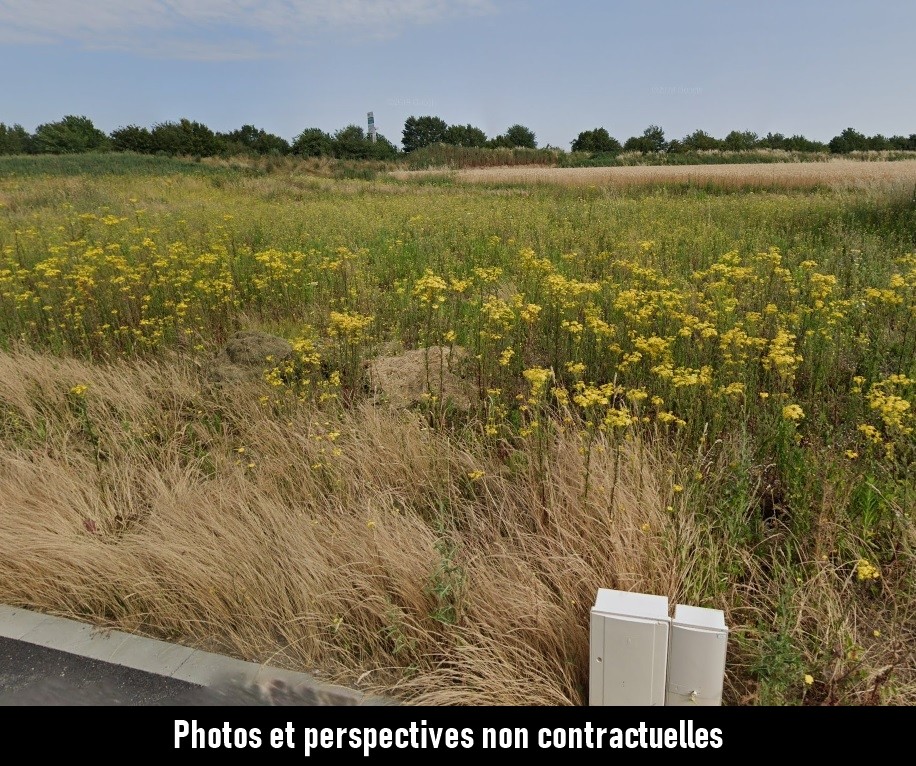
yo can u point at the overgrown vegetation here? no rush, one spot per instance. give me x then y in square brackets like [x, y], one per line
[429, 141]
[705, 395]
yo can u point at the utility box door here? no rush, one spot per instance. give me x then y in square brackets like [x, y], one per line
[696, 656]
[628, 648]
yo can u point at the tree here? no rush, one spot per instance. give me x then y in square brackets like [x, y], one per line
[651, 140]
[902, 143]
[700, 141]
[849, 140]
[596, 141]
[465, 135]
[70, 135]
[878, 143]
[521, 137]
[382, 149]
[313, 142]
[516, 137]
[350, 143]
[741, 140]
[796, 143]
[14, 139]
[252, 140]
[423, 131]
[773, 141]
[184, 137]
[132, 138]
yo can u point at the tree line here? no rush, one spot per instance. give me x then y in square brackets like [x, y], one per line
[73, 135]
[76, 134]
[599, 141]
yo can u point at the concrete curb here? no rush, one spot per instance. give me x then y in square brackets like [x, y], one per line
[204, 669]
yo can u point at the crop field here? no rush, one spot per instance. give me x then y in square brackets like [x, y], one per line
[829, 173]
[496, 397]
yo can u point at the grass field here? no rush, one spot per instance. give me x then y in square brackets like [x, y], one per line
[828, 173]
[701, 390]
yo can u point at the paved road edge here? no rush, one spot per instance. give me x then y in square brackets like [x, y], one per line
[165, 659]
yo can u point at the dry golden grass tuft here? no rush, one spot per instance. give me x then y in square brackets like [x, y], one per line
[390, 555]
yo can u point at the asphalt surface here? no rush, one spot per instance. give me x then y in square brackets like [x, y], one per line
[35, 675]
[48, 660]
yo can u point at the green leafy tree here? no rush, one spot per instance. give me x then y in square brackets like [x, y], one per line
[741, 140]
[132, 138]
[596, 141]
[382, 149]
[14, 139]
[798, 143]
[651, 140]
[850, 140]
[878, 143]
[518, 136]
[184, 137]
[423, 131]
[773, 141]
[700, 141]
[350, 143]
[313, 142]
[71, 135]
[903, 143]
[465, 135]
[251, 140]
[676, 147]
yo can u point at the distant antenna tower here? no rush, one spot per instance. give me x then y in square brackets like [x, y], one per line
[372, 127]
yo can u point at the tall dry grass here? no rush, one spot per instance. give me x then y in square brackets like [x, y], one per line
[366, 544]
[837, 173]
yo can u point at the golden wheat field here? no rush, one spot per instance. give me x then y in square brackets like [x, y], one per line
[400, 430]
[788, 175]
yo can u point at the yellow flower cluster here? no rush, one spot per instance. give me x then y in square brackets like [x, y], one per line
[692, 332]
[793, 412]
[866, 571]
[349, 327]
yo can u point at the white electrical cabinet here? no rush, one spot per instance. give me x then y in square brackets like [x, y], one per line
[629, 648]
[696, 656]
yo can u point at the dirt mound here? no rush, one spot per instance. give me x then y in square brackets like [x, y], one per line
[409, 378]
[247, 355]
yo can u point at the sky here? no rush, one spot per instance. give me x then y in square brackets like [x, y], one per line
[805, 67]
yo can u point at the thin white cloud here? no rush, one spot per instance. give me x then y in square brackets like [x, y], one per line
[213, 29]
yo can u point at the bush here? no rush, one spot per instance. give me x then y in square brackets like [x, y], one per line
[457, 157]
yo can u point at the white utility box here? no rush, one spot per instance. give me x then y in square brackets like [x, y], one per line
[696, 656]
[629, 648]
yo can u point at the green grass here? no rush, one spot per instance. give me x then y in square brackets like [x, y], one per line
[101, 164]
[709, 316]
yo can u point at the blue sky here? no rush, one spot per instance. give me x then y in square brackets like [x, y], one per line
[559, 68]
